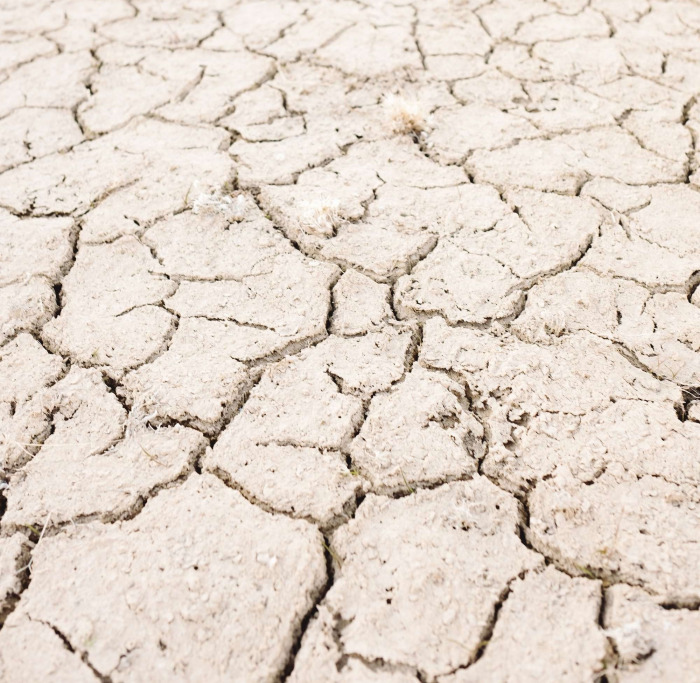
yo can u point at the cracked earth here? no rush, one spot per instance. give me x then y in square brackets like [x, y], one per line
[350, 340]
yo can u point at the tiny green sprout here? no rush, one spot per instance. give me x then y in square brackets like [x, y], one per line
[151, 456]
[461, 644]
[674, 373]
[332, 552]
[32, 528]
[187, 196]
[586, 571]
[405, 481]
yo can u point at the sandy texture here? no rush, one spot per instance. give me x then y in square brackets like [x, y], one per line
[349, 341]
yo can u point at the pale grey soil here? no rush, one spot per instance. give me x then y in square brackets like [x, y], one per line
[350, 340]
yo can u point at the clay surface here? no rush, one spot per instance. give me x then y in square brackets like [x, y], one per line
[349, 341]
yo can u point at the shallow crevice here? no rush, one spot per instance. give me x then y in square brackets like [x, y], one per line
[689, 395]
[130, 511]
[329, 527]
[612, 656]
[607, 577]
[490, 626]
[82, 654]
[316, 600]
[23, 572]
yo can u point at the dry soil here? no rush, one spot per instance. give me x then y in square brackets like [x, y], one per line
[350, 340]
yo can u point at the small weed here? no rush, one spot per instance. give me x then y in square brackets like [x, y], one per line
[151, 456]
[405, 481]
[215, 201]
[586, 571]
[609, 550]
[406, 116]
[466, 647]
[320, 217]
[333, 554]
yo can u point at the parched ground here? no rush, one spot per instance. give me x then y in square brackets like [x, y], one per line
[350, 340]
